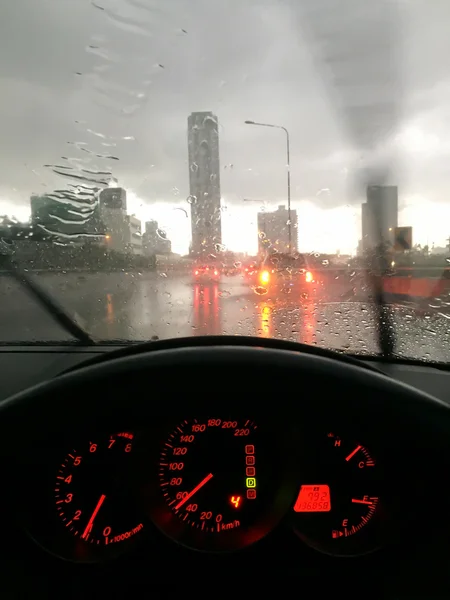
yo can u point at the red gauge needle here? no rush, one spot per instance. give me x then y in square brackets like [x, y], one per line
[356, 501]
[194, 491]
[87, 531]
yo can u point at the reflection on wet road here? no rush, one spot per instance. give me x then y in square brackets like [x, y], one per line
[133, 306]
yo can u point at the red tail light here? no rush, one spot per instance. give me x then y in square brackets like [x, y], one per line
[309, 277]
[216, 272]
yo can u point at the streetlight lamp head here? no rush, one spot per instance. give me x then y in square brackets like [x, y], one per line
[249, 122]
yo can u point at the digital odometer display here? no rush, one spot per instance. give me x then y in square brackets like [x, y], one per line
[215, 477]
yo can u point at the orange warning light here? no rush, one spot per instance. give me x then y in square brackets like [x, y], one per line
[313, 498]
[235, 501]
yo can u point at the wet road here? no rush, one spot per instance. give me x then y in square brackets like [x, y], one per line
[134, 306]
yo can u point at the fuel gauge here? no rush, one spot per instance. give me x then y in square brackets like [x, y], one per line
[338, 499]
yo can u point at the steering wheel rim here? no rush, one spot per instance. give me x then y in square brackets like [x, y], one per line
[266, 368]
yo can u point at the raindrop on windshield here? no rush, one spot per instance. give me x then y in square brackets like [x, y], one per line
[260, 291]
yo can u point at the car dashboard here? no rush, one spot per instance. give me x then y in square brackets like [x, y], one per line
[225, 501]
[224, 498]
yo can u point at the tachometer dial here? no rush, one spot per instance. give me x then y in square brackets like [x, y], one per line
[90, 497]
[218, 483]
[87, 508]
[93, 496]
[338, 498]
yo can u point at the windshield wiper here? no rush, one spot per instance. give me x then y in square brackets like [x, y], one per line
[385, 325]
[364, 76]
[51, 306]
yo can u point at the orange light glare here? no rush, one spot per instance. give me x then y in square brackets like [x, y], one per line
[309, 277]
[235, 501]
[196, 272]
[313, 498]
[216, 272]
[264, 277]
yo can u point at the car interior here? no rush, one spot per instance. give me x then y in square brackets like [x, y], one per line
[226, 465]
[343, 454]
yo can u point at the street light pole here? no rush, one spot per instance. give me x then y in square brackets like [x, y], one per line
[288, 164]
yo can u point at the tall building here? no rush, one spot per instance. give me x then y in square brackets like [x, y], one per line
[379, 215]
[154, 240]
[273, 231]
[204, 182]
[64, 214]
[135, 245]
[114, 198]
[113, 214]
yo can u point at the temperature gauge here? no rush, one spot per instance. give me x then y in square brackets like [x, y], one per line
[338, 500]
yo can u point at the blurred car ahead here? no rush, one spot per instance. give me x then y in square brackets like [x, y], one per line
[281, 274]
[249, 269]
[207, 273]
[231, 270]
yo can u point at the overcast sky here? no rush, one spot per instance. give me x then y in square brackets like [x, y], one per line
[362, 86]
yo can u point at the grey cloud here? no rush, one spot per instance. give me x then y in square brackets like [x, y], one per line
[343, 76]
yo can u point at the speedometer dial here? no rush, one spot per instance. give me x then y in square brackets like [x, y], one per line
[218, 483]
[209, 473]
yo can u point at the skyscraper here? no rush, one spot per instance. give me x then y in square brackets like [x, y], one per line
[273, 231]
[63, 214]
[113, 214]
[204, 182]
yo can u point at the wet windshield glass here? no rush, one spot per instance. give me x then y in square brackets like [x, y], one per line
[268, 168]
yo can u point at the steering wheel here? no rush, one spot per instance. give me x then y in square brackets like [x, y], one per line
[249, 374]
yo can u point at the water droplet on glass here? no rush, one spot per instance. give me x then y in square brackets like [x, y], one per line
[260, 291]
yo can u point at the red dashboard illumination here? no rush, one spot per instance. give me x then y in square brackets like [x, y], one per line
[313, 498]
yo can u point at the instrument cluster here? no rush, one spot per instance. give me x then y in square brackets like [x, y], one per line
[209, 484]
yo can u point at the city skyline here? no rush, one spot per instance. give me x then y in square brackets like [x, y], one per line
[379, 212]
[315, 227]
[117, 100]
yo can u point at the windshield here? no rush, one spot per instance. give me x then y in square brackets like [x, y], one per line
[268, 168]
